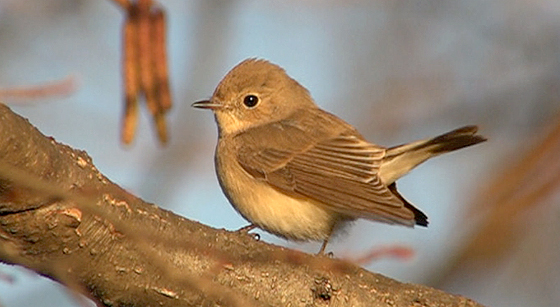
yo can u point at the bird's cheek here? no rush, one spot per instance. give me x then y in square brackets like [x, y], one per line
[229, 122]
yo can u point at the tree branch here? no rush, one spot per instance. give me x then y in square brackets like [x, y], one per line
[63, 219]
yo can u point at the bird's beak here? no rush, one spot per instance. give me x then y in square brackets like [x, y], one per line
[207, 104]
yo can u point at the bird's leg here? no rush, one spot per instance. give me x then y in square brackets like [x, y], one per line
[246, 229]
[324, 246]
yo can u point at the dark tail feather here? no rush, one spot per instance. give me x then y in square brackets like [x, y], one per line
[453, 140]
[399, 160]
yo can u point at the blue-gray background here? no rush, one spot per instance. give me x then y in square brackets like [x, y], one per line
[397, 70]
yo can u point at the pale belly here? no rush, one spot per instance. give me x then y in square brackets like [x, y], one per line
[272, 210]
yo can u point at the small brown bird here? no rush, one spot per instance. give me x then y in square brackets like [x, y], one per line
[299, 172]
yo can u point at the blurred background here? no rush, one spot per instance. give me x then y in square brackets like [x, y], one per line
[397, 70]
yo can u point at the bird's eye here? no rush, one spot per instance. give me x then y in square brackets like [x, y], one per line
[250, 101]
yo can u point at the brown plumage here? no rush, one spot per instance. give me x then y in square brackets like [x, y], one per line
[300, 172]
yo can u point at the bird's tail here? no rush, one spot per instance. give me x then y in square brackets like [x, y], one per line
[399, 160]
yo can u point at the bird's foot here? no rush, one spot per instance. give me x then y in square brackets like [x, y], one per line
[245, 230]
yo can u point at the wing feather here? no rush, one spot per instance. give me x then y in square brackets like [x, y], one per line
[347, 156]
[335, 167]
[362, 200]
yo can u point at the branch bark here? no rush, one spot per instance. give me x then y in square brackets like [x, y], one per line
[60, 217]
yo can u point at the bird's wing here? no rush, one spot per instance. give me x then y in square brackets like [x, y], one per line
[336, 169]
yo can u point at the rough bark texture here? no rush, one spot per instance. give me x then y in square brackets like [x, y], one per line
[63, 219]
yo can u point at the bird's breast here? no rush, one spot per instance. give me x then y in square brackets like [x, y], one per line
[268, 208]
